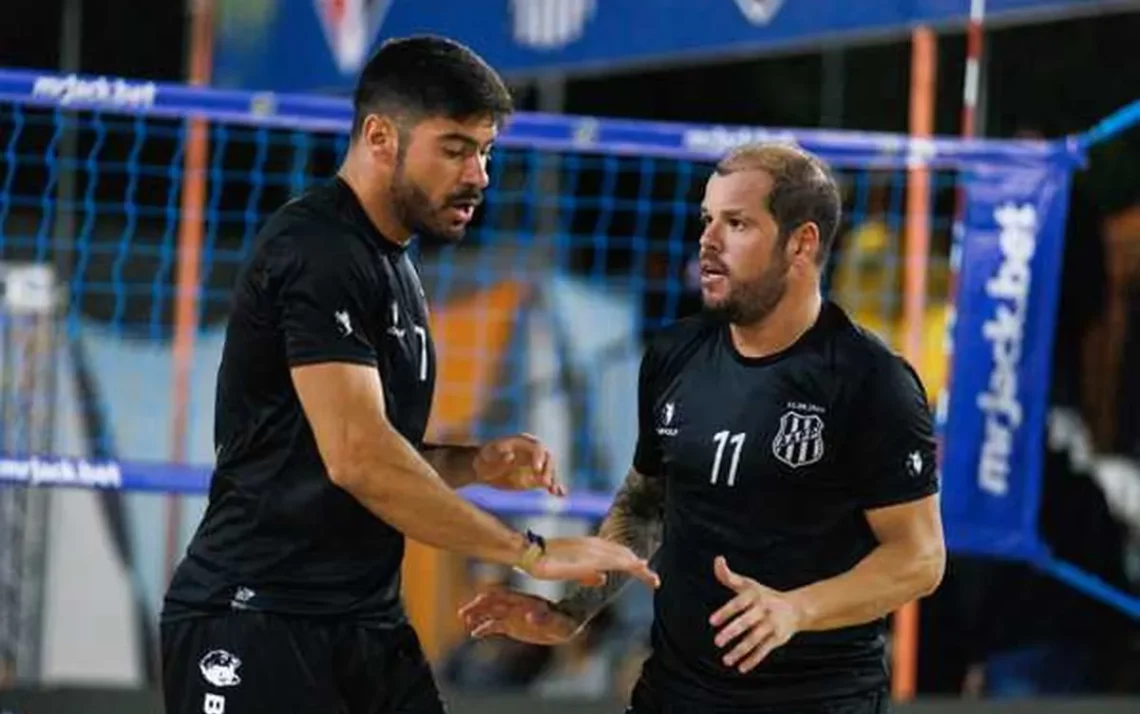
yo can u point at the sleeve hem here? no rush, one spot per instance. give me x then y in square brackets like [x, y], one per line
[326, 357]
[642, 468]
[899, 498]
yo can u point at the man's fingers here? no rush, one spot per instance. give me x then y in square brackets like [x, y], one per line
[745, 622]
[548, 476]
[725, 575]
[505, 450]
[645, 574]
[489, 604]
[474, 605]
[740, 603]
[746, 646]
[490, 627]
[474, 617]
[627, 561]
[758, 655]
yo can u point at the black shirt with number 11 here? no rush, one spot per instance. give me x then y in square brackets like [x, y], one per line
[278, 536]
[772, 463]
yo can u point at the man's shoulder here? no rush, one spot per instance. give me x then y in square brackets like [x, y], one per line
[309, 224]
[864, 353]
[854, 344]
[674, 343]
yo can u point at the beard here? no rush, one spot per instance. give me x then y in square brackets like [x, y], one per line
[422, 216]
[750, 302]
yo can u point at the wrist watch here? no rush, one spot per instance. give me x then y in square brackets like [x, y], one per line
[536, 548]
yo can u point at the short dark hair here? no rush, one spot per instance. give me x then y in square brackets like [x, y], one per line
[424, 76]
[803, 188]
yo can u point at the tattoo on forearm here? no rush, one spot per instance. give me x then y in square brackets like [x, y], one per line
[635, 521]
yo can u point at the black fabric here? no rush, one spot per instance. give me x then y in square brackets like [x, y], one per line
[647, 700]
[255, 663]
[277, 535]
[774, 463]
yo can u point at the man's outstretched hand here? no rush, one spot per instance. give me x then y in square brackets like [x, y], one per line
[587, 560]
[521, 617]
[758, 619]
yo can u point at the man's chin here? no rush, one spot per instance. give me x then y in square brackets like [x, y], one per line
[714, 301]
[443, 233]
[717, 309]
[453, 234]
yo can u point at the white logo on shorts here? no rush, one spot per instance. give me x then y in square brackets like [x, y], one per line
[220, 668]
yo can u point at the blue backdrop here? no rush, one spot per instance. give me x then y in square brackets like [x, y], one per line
[315, 45]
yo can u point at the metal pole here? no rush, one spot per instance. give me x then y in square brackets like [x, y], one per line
[191, 229]
[923, 82]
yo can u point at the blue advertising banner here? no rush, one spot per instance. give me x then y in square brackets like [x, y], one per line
[993, 434]
[318, 45]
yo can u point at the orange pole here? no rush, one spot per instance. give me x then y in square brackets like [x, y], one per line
[189, 259]
[922, 84]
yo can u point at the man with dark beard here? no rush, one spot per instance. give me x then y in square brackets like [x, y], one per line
[784, 477]
[288, 599]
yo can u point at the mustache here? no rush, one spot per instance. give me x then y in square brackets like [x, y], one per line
[472, 196]
[709, 262]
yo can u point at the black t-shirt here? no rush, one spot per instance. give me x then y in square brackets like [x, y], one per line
[277, 535]
[772, 462]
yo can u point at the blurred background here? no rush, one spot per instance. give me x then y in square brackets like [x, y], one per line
[122, 228]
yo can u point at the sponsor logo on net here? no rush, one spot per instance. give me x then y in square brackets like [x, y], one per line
[48, 471]
[717, 140]
[100, 91]
[1005, 331]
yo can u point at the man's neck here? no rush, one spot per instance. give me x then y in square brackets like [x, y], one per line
[793, 316]
[371, 191]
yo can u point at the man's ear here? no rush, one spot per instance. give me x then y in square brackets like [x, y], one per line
[380, 136]
[804, 243]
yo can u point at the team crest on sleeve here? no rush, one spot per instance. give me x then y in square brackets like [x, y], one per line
[800, 439]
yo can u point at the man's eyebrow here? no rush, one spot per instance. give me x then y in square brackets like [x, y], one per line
[463, 138]
[726, 212]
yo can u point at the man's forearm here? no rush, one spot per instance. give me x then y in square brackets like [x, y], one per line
[889, 577]
[455, 464]
[634, 520]
[399, 486]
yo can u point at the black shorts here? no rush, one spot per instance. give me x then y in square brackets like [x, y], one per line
[254, 663]
[646, 700]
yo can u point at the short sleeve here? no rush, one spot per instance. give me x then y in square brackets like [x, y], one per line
[322, 300]
[893, 438]
[647, 459]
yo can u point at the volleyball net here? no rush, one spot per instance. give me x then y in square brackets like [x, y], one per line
[126, 209]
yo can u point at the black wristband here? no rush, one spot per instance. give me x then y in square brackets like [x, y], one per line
[536, 539]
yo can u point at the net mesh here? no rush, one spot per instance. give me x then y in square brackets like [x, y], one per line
[539, 315]
[97, 196]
